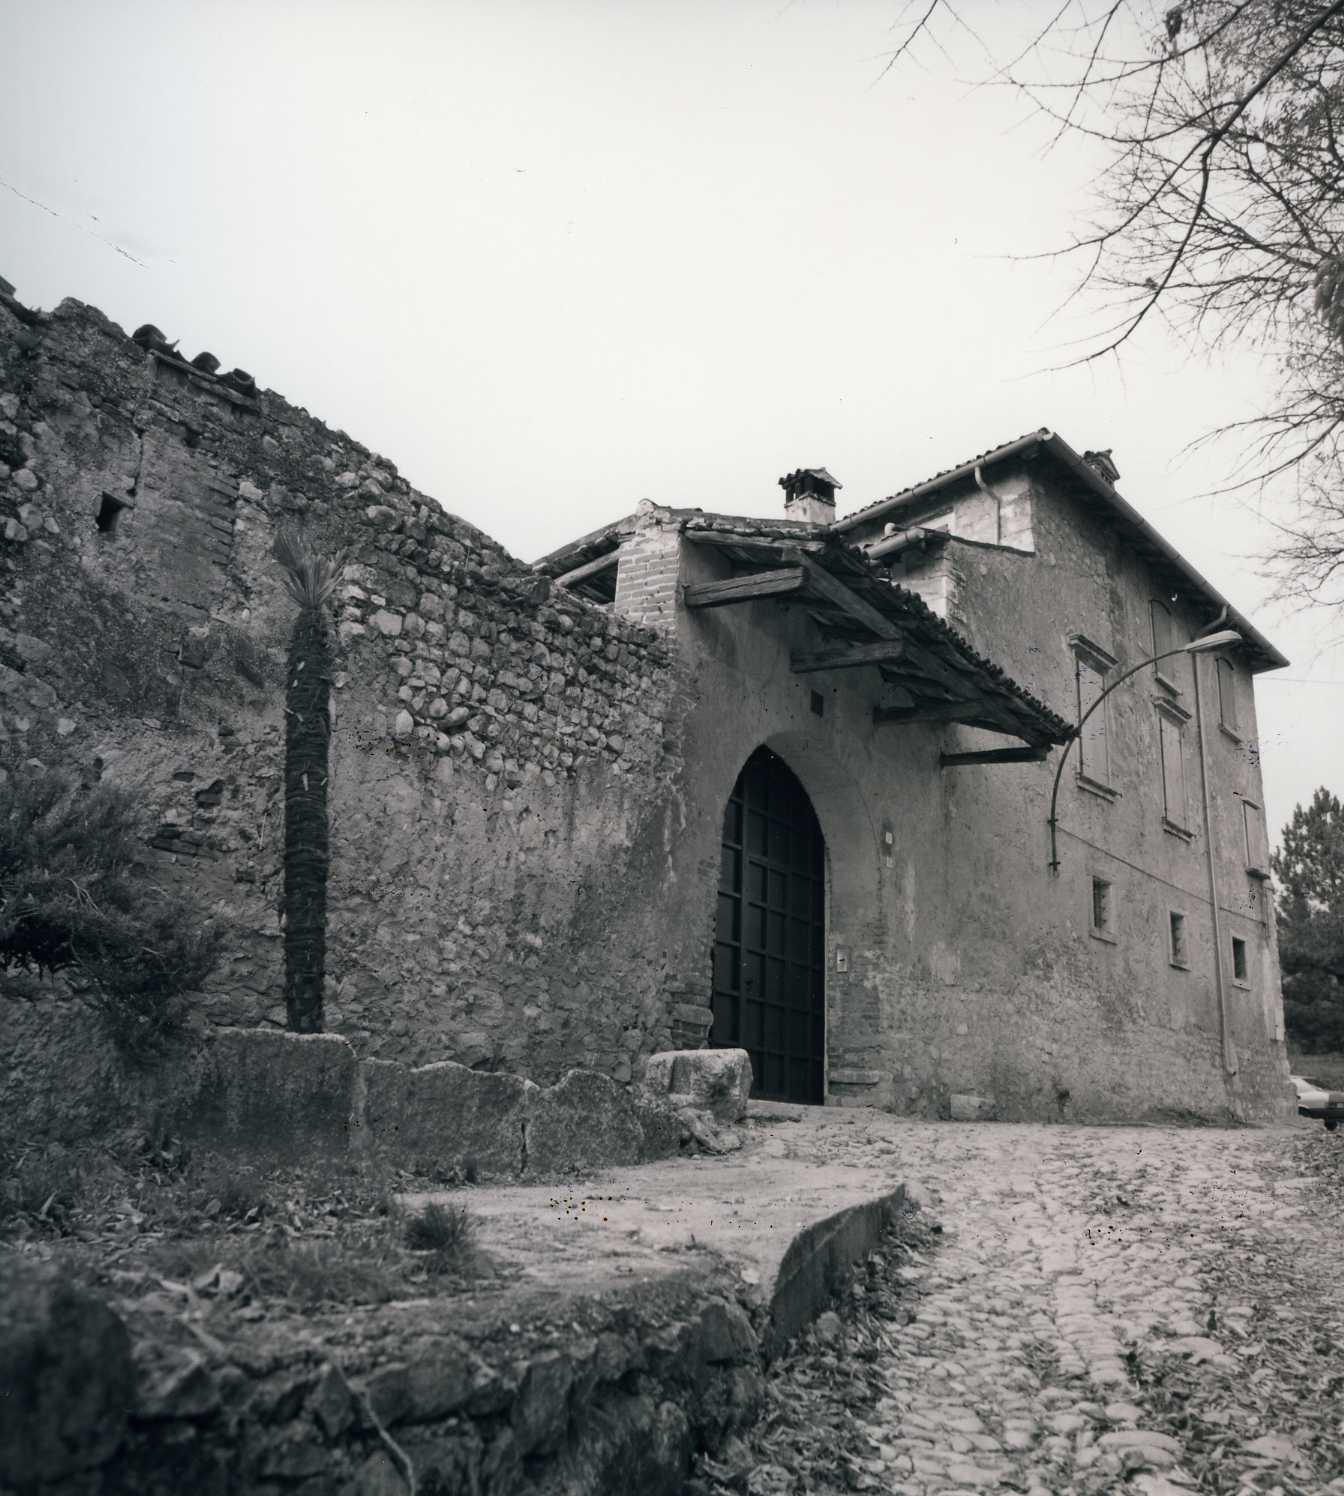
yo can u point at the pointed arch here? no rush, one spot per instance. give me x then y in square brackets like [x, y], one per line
[770, 931]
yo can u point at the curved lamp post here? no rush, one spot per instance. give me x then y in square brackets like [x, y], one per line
[1223, 639]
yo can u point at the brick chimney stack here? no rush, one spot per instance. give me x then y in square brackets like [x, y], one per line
[809, 495]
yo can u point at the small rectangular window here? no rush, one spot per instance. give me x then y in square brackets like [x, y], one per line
[1175, 804]
[1227, 696]
[1177, 954]
[1238, 959]
[1103, 909]
[109, 513]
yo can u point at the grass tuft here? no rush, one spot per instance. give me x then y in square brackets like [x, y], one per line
[445, 1232]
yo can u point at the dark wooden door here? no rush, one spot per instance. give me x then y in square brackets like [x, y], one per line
[769, 948]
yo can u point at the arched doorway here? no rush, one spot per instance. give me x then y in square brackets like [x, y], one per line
[770, 940]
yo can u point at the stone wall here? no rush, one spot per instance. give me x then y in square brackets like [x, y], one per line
[504, 759]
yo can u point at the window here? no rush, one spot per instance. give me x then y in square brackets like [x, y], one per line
[1175, 803]
[1227, 696]
[1091, 665]
[1257, 848]
[110, 511]
[1103, 910]
[1176, 952]
[1165, 640]
[1239, 960]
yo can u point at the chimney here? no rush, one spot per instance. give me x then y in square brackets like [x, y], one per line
[809, 495]
[1101, 462]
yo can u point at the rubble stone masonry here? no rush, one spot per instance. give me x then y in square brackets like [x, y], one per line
[503, 757]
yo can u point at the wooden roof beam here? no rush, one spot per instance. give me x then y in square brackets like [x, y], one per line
[745, 588]
[846, 656]
[932, 711]
[589, 569]
[823, 585]
[1026, 755]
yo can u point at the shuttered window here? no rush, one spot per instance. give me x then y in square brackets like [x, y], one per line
[1257, 847]
[1227, 696]
[1092, 667]
[1175, 802]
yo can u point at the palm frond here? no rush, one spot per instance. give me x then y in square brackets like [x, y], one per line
[309, 577]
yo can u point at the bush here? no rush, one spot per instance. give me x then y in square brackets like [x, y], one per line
[444, 1232]
[75, 898]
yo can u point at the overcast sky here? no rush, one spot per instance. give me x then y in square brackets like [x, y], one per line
[554, 257]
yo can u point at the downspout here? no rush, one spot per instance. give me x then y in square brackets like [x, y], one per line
[1229, 1052]
[998, 506]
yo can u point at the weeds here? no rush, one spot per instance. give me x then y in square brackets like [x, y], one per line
[445, 1234]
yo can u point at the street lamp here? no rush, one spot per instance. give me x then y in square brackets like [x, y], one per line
[1223, 639]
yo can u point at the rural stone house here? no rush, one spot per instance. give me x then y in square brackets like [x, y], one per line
[782, 784]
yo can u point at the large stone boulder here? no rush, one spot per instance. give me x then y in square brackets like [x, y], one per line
[585, 1121]
[717, 1081]
[275, 1094]
[66, 1377]
[445, 1116]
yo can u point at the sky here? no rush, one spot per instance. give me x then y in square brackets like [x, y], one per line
[554, 256]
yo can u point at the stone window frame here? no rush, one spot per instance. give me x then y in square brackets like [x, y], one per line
[1178, 940]
[1102, 894]
[1089, 655]
[1241, 948]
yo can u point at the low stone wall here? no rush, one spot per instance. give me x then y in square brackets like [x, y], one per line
[585, 1395]
[293, 1097]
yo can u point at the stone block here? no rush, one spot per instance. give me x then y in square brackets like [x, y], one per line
[662, 1128]
[585, 1121]
[67, 1375]
[717, 1081]
[965, 1106]
[441, 1115]
[852, 1077]
[276, 1094]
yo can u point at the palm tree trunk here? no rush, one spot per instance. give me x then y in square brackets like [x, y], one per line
[307, 857]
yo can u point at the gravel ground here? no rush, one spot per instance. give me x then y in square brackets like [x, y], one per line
[1151, 1309]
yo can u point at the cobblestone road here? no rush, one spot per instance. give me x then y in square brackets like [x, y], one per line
[1094, 1290]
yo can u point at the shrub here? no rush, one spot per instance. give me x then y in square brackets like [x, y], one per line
[445, 1233]
[74, 897]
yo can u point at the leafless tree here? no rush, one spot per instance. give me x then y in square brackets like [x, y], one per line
[1221, 208]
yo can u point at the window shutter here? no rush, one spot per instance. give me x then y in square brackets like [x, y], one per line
[1227, 694]
[1093, 749]
[1173, 770]
[1257, 849]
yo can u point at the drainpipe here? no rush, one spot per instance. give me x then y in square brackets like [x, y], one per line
[1224, 1023]
[998, 505]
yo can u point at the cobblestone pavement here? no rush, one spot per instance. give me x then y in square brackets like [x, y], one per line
[1099, 1313]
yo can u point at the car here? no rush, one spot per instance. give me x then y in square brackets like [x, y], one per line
[1316, 1100]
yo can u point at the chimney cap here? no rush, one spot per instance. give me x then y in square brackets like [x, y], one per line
[814, 481]
[1103, 463]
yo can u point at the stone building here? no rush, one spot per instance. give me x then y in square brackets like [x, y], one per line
[780, 783]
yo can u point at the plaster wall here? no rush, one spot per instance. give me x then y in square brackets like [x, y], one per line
[1049, 1008]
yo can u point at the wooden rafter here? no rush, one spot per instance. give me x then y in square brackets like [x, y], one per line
[823, 585]
[1027, 755]
[744, 589]
[934, 711]
[847, 656]
[589, 569]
